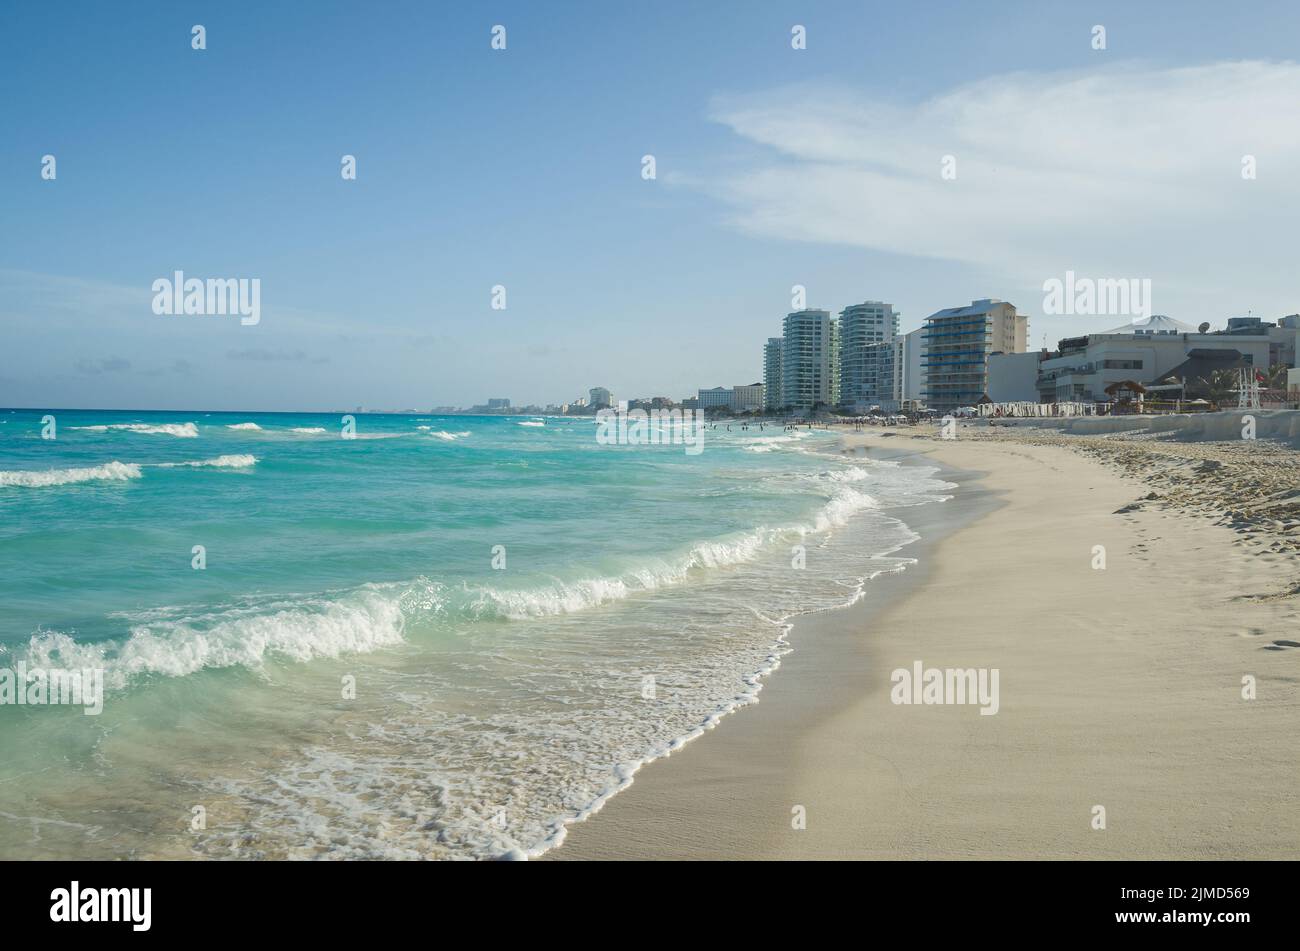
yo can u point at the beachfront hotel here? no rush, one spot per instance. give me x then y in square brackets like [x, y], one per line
[743, 398]
[958, 342]
[866, 355]
[772, 374]
[808, 370]
[747, 398]
[868, 365]
[909, 371]
[717, 397]
[1159, 348]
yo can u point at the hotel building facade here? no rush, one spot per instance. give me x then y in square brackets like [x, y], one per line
[808, 371]
[957, 344]
[865, 361]
[1159, 348]
[772, 373]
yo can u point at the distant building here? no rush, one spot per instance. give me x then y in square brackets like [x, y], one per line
[772, 374]
[498, 404]
[865, 356]
[835, 362]
[958, 342]
[747, 398]
[912, 367]
[691, 402]
[1154, 350]
[895, 373]
[807, 370]
[719, 397]
[651, 402]
[601, 398]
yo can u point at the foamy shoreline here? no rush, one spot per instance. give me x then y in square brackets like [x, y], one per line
[1121, 688]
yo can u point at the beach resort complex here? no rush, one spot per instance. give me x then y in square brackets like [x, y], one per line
[716, 432]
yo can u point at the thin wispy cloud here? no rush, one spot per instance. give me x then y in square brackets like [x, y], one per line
[1119, 170]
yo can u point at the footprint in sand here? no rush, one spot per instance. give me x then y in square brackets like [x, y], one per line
[1281, 645]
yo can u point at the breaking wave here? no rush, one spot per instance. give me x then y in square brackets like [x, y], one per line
[111, 471]
[182, 430]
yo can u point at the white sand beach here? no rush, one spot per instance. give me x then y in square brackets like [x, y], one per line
[1120, 687]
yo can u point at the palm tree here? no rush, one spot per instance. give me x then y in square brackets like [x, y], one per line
[1219, 387]
[1275, 378]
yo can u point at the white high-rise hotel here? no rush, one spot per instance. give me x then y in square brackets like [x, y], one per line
[772, 374]
[808, 372]
[861, 361]
[866, 355]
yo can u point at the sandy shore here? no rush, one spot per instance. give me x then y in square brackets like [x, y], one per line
[1119, 687]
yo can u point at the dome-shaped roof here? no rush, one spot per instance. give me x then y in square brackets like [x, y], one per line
[1156, 323]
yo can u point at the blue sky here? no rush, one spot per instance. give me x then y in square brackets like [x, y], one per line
[522, 168]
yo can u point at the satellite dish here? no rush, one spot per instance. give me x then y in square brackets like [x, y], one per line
[1204, 328]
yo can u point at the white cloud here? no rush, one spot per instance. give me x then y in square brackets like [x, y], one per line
[1129, 171]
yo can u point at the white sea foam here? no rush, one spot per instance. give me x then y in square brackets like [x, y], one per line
[768, 443]
[361, 622]
[182, 430]
[220, 462]
[513, 771]
[244, 426]
[851, 474]
[442, 433]
[308, 430]
[114, 471]
[111, 471]
[530, 422]
[572, 596]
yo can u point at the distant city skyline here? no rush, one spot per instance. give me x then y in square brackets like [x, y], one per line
[501, 237]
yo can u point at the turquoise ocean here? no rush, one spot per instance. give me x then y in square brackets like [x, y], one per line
[448, 637]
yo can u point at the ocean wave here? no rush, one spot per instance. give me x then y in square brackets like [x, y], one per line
[176, 642]
[310, 430]
[851, 474]
[244, 426]
[530, 422]
[182, 430]
[114, 471]
[442, 433]
[220, 462]
[358, 623]
[566, 597]
[111, 471]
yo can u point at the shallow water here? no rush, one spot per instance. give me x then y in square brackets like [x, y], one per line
[643, 593]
